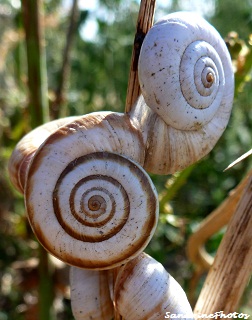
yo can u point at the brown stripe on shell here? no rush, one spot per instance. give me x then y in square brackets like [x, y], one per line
[75, 233]
[130, 252]
[95, 216]
[116, 121]
[113, 123]
[25, 149]
[57, 210]
[124, 273]
[21, 170]
[104, 291]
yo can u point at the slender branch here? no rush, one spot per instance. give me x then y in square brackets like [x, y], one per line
[144, 23]
[38, 109]
[232, 266]
[244, 156]
[65, 70]
[37, 80]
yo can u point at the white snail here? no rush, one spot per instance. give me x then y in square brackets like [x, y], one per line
[90, 295]
[145, 290]
[186, 79]
[88, 200]
[142, 289]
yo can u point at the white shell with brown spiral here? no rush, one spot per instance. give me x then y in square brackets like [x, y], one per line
[88, 204]
[186, 79]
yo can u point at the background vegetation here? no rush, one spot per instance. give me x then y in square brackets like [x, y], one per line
[99, 65]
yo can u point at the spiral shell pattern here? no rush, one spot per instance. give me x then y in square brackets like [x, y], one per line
[185, 72]
[95, 209]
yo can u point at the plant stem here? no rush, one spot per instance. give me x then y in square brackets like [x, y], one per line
[144, 23]
[178, 181]
[38, 109]
[232, 265]
[65, 70]
[37, 80]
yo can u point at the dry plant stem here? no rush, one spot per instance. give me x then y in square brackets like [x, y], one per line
[144, 23]
[232, 266]
[213, 223]
[241, 158]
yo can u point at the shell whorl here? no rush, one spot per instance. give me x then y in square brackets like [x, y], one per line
[24, 151]
[185, 72]
[187, 83]
[96, 207]
[145, 290]
[90, 294]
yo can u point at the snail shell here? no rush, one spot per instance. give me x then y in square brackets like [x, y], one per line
[88, 204]
[90, 295]
[186, 78]
[145, 290]
[27, 146]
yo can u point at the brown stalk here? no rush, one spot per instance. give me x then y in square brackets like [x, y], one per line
[213, 223]
[144, 23]
[232, 265]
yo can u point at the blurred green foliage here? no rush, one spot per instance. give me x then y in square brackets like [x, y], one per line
[98, 81]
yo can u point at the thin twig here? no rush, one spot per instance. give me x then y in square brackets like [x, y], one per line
[65, 70]
[144, 23]
[241, 158]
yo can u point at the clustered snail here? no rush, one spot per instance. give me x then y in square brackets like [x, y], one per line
[88, 197]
